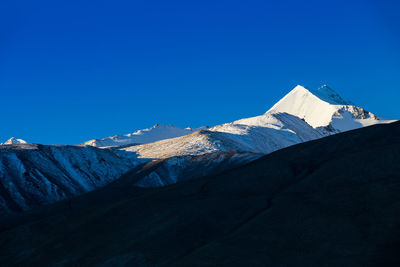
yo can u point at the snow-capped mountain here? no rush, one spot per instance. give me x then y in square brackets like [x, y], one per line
[325, 108]
[14, 140]
[323, 203]
[32, 175]
[155, 133]
[302, 115]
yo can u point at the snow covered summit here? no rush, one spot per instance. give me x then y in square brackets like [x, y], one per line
[325, 108]
[14, 140]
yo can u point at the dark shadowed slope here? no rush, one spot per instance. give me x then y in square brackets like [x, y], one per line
[33, 175]
[330, 202]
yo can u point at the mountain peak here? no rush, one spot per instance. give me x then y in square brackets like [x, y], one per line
[324, 93]
[322, 107]
[14, 140]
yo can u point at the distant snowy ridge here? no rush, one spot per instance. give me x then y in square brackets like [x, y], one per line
[14, 140]
[155, 133]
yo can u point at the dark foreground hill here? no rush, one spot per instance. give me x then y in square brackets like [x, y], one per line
[330, 202]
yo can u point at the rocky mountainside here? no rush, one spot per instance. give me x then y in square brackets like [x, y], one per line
[178, 169]
[329, 202]
[32, 175]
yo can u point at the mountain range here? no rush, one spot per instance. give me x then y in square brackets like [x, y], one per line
[32, 175]
[329, 202]
[301, 115]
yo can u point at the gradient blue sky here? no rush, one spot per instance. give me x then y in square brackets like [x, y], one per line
[76, 70]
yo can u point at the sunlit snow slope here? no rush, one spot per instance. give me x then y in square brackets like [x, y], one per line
[262, 134]
[155, 133]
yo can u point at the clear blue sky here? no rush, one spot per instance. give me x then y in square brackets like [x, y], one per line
[75, 70]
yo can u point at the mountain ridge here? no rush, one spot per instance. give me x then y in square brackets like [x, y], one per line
[148, 135]
[301, 115]
[14, 140]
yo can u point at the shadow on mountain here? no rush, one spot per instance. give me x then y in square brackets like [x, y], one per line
[33, 175]
[329, 202]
